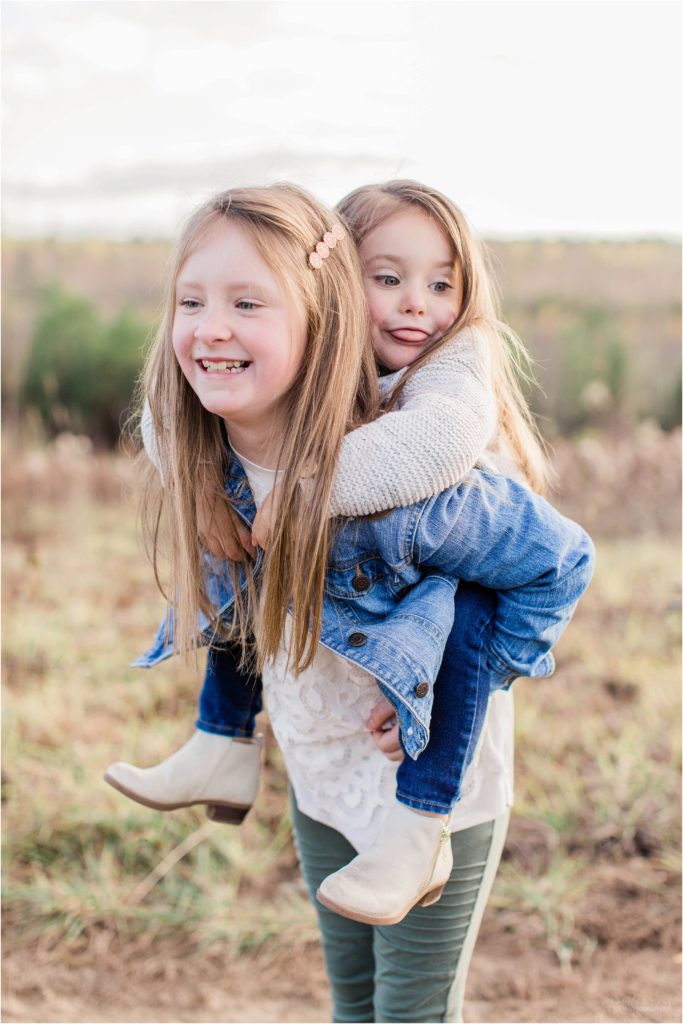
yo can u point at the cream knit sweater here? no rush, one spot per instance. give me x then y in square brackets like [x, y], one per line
[444, 424]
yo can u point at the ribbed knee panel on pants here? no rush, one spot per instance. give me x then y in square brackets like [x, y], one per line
[405, 972]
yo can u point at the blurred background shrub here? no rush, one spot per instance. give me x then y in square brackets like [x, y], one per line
[81, 371]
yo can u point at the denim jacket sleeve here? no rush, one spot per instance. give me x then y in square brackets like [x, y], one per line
[493, 531]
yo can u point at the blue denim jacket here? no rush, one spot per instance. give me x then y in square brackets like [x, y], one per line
[391, 581]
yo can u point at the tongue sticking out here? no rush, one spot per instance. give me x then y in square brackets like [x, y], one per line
[411, 336]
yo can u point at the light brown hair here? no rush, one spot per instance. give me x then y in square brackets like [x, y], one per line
[334, 391]
[365, 209]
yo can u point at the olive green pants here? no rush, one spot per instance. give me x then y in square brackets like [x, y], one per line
[411, 971]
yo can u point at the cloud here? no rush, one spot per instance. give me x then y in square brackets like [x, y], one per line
[261, 165]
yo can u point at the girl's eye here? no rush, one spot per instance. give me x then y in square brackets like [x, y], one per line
[189, 304]
[441, 286]
[390, 280]
[246, 304]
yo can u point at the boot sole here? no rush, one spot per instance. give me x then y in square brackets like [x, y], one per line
[427, 899]
[229, 814]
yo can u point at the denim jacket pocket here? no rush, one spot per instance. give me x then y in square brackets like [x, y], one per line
[363, 587]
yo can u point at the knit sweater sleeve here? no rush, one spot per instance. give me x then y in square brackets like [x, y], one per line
[445, 419]
[149, 438]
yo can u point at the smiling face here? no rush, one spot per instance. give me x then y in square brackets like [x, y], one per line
[411, 286]
[238, 336]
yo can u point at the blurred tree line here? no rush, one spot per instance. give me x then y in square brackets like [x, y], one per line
[79, 369]
[601, 367]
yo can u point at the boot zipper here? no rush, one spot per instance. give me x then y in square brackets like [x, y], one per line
[443, 837]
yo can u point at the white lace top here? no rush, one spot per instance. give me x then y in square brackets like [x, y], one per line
[339, 776]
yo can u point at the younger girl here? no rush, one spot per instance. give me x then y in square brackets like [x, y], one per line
[426, 288]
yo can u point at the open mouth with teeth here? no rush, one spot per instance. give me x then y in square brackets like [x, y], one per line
[223, 365]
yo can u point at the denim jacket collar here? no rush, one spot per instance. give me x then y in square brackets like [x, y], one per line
[239, 492]
[236, 483]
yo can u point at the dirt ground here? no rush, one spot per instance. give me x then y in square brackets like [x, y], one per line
[526, 986]
[510, 980]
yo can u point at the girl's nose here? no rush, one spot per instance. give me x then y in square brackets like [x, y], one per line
[212, 328]
[413, 302]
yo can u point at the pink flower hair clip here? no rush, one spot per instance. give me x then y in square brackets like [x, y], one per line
[324, 247]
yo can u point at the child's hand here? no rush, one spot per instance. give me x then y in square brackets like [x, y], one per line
[384, 728]
[215, 530]
[262, 530]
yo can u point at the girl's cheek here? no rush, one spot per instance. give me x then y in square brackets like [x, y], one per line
[375, 309]
[179, 342]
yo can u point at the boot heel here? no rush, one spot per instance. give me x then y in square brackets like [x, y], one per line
[432, 897]
[227, 815]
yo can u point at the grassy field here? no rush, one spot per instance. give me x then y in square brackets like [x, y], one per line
[166, 917]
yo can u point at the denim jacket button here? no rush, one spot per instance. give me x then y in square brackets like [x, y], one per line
[357, 639]
[422, 689]
[360, 583]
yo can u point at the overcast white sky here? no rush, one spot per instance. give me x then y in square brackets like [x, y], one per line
[538, 117]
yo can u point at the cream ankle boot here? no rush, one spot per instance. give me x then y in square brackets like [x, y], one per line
[409, 863]
[222, 771]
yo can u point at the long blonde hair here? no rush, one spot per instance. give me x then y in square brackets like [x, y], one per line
[334, 391]
[365, 209]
